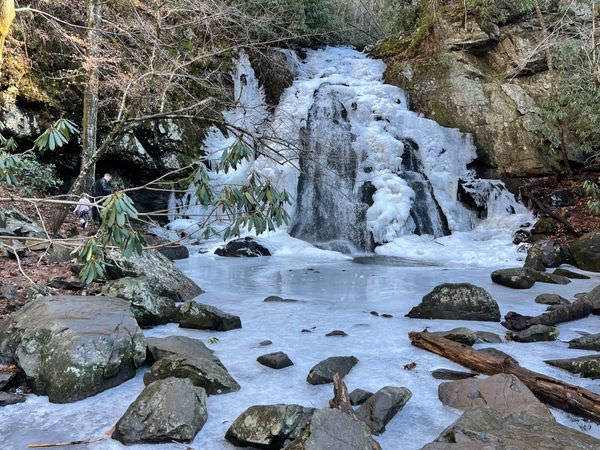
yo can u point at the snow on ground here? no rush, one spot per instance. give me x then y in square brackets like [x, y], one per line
[338, 294]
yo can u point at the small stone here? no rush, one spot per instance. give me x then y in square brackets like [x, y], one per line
[306, 330]
[410, 366]
[374, 313]
[451, 375]
[277, 360]
[359, 396]
[6, 398]
[551, 299]
[570, 274]
[323, 372]
[536, 333]
[69, 284]
[277, 299]
[339, 333]
[265, 343]
[387, 316]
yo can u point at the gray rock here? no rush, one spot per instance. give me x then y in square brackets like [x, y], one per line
[205, 373]
[157, 268]
[594, 297]
[469, 337]
[152, 304]
[265, 343]
[277, 299]
[586, 366]
[69, 284]
[461, 301]
[243, 247]
[525, 428]
[498, 354]
[359, 396]
[167, 410]
[586, 251]
[182, 346]
[323, 372]
[545, 253]
[277, 360]
[331, 429]
[570, 274]
[338, 333]
[588, 342]
[501, 392]
[73, 347]
[268, 426]
[169, 249]
[382, 406]
[205, 317]
[449, 374]
[536, 333]
[551, 299]
[516, 278]
[7, 398]
[6, 379]
[549, 278]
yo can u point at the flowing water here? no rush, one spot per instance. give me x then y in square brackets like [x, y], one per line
[376, 179]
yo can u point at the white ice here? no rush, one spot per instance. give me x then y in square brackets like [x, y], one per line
[337, 294]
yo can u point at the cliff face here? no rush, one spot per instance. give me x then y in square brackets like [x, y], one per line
[487, 77]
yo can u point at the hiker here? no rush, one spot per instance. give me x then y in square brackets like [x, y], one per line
[82, 210]
[101, 188]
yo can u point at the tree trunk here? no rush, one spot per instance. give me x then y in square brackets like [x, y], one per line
[90, 98]
[7, 16]
[579, 309]
[559, 394]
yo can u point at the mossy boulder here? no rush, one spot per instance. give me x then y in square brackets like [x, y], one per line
[70, 347]
[586, 251]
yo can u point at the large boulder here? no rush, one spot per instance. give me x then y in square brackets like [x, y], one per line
[268, 426]
[515, 278]
[156, 267]
[462, 301]
[502, 392]
[243, 247]
[382, 406]
[585, 251]
[70, 348]
[167, 410]
[587, 342]
[206, 373]
[205, 317]
[151, 303]
[323, 372]
[586, 366]
[331, 429]
[543, 254]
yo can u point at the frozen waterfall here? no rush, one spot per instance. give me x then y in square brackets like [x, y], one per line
[366, 173]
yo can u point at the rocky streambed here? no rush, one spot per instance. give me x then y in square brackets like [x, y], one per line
[341, 309]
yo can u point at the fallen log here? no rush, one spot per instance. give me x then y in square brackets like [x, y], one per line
[579, 309]
[565, 396]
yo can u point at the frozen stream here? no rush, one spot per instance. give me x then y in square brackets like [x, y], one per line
[337, 294]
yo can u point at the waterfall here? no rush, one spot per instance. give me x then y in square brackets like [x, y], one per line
[371, 172]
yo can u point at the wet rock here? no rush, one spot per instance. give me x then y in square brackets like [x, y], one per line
[268, 426]
[536, 333]
[205, 317]
[516, 278]
[59, 253]
[586, 366]
[546, 253]
[7, 398]
[551, 299]
[181, 346]
[6, 379]
[545, 226]
[521, 236]
[469, 337]
[69, 284]
[338, 333]
[277, 360]
[244, 247]
[587, 342]
[359, 396]
[382, 406]
[205, 373]
[586, 251]
[594, 296]
[265, 343]
[449, 374]
[151, 303]
[323, 372]
[525, 428]
[73, 347]
[570, 274]
[167, 410]
[171, 250]
[277, 299]
[501, 392]
[550, 278]
[331, 429]
[498, 354]
[387, 316]
[461, 301]
[156, 268]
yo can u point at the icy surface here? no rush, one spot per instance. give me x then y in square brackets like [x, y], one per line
[337, 294]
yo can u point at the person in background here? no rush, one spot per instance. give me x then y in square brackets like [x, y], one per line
[101, 188]
[82, 210]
